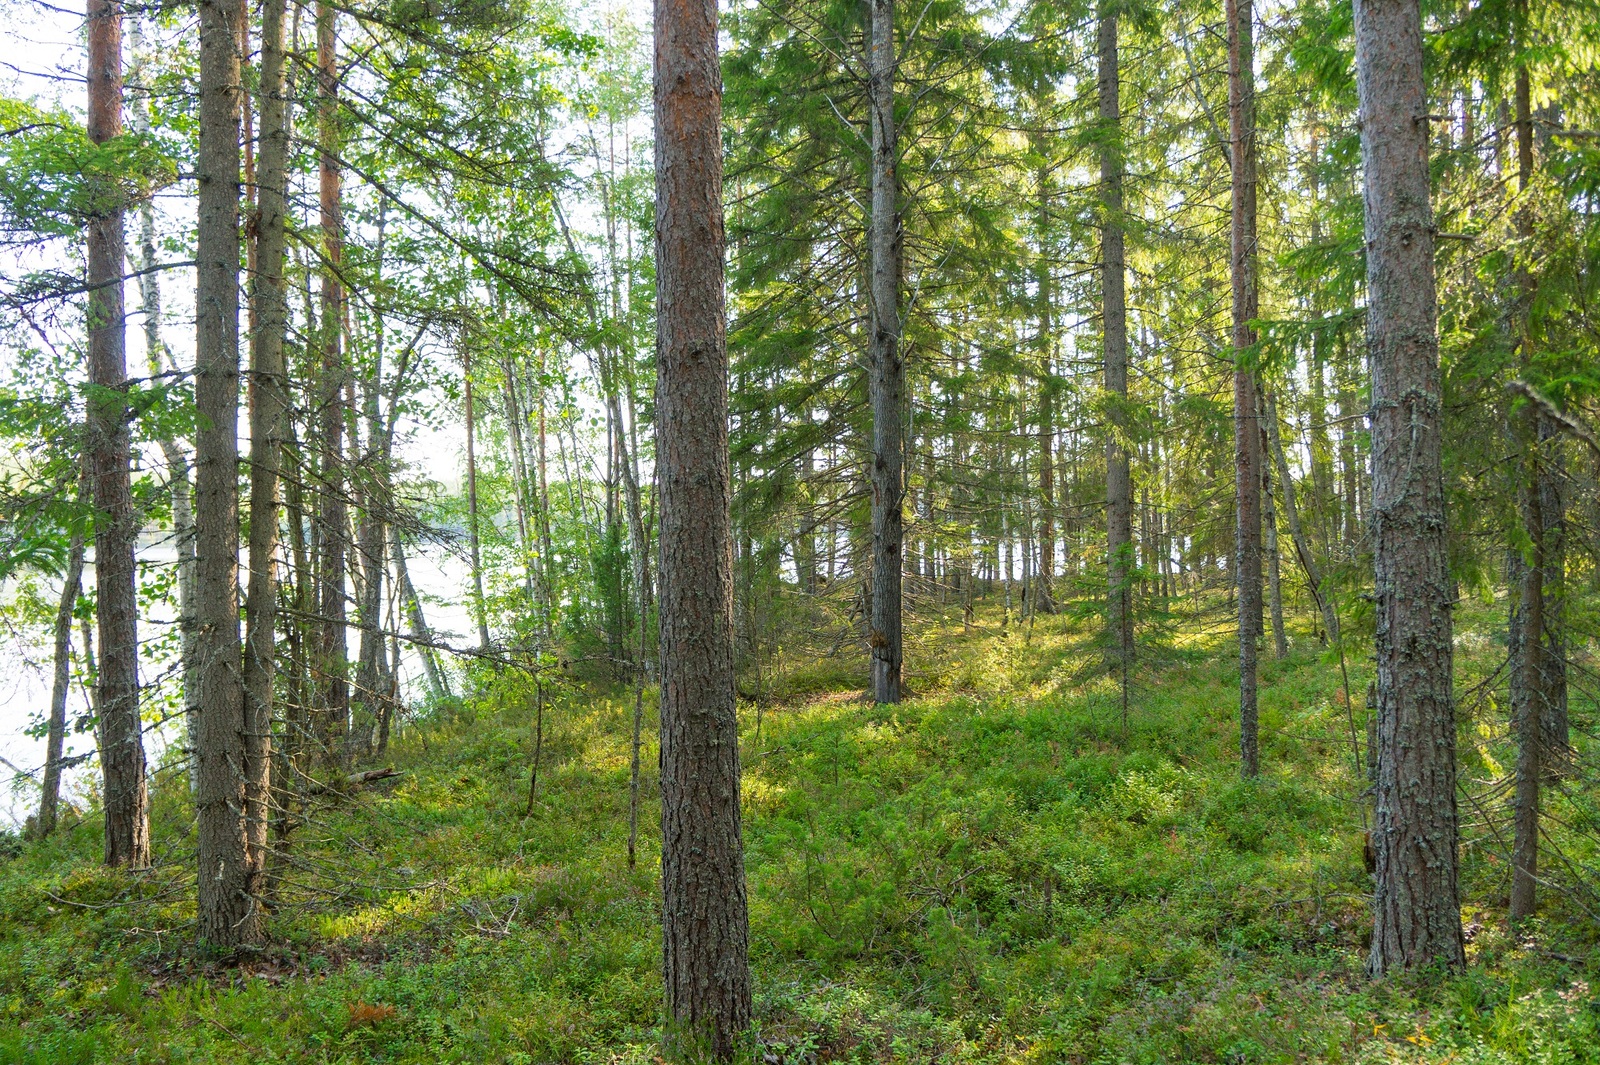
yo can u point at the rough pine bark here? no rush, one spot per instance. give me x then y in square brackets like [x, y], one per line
[705, 926]
[127, 831]
[268, 390]
[1114, 307]
[228, 917]
[1417, 908]
[886, 370]
[1246, 426]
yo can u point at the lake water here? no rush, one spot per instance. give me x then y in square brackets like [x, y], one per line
[26, 664]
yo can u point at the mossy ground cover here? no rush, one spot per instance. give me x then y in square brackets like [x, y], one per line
[997, 870]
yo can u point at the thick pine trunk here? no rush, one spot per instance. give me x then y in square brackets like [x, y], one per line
[1246, 427]
[127, 832]
[705, 927]
[1417, 907]
[228, 916]
[886, 369]
[1114, 307]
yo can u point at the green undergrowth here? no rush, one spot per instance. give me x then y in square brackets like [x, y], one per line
[1003, 868]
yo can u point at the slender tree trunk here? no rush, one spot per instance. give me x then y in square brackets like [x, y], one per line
[297, 725]
[1552, 507]
[886, 374]
[1044, 597]
[229, 917]
[55, 743]
[479, 606]
[1269, 523]
[1246, 428]
[1114, 308]
[546, 550]
[269, 401]
[333, 697]
[127, 830]
[158, 358]
[1417, 905]
[438, 686]
[370, 537]
[519, 474]
[1291, 512]
[1528, 696]
[705, 931]
[1529, 674]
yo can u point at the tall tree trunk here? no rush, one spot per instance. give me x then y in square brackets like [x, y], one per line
[1291, 512]
[705, 926]
[1269, 524]
[159, 359]
[55, 743]
[370, 538]
[1417, 904]
[269, 402]
[1552, 507]
[1529, 674]
[546, 548]
[1114, 308]
[1246, 427]
[480, 609]
[438, 685]
[229, 917]
[127, 830]
[333, 696]
[1044, 597]
[1528, 696]
[519, 474]
[886, 371]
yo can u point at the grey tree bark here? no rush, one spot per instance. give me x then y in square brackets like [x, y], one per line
[1114, 308]
[122, 762]
[438, 685]
[1417, 902]
[886, 369]
[1528, 696]
[1269, 525]
[268, 391]
[705, 924]
[332, 701]
[479, 606]
[1246, 426]
[158, 357]
[228, 916]
[1291, 513]
[55, 742]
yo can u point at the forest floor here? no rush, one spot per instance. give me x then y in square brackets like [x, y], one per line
[1000, 869]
